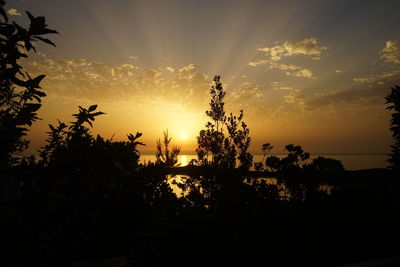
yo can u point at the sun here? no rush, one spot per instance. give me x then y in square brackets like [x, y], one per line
[183, 136]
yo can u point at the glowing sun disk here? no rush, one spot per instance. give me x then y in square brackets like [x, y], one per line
[184, 136]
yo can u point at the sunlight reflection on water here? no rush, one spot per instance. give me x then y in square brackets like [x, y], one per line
[350, 161]
[283, 193]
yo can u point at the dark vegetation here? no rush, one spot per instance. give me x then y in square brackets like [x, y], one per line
[87, 199]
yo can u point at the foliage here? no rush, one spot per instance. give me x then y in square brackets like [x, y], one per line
[266, 148]
[74, 148]
[393, 99]
[239, 138]
[217, 111]
[20, 94]
[224, 150]
[300, 179]
[165, 156]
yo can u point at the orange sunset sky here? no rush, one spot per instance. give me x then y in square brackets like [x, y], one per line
[312, 73]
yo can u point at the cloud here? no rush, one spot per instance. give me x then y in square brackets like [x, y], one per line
[295, 98]
[284, 66]
[391, 53]
[349, 98]
[357, 97]
[307, 47]
[291, 98]
[247, 92]
[303, 73]
[369, 91]
[379, 78]
[13, 12]
[279, 86]
[289, 69]
[170, 69]
[80, 79]
[252, 97]
[258, 62]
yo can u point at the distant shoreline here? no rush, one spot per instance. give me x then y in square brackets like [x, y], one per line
[283, 153]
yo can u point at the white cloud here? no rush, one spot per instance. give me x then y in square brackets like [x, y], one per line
[280, 86]
[13, 12]
[97, 81]
[391, 53]
[307, 46]
[284, 66]
[303, 73]
[292, 70]
[170, 69]
[258, 62]
[275, 54]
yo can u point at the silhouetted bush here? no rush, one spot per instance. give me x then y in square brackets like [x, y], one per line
[20, 94]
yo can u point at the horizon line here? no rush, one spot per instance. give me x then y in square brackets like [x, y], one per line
[151, 152]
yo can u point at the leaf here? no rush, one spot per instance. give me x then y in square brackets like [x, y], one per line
[92, 108]
[34, 83]
[31, 17]
[32, 107]
[98, 113]
[37, 98]
[47, 41]
[39, 93]
[46, 31]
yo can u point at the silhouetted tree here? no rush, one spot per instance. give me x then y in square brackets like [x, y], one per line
[213, 142]
[240, 138]
[393, 99]
[165, 156]
[301, 179]
[20, 94]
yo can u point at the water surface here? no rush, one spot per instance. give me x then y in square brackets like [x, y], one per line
[350, 161]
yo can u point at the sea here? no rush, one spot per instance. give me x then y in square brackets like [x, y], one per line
[350, 161]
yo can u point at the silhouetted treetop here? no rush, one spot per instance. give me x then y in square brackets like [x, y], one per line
[20, 94]
[165, 156]
[217, 112]
[226, 138]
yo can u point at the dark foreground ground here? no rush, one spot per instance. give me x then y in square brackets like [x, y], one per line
[50, 228]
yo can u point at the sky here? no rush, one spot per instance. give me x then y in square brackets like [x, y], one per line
[311, 73]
